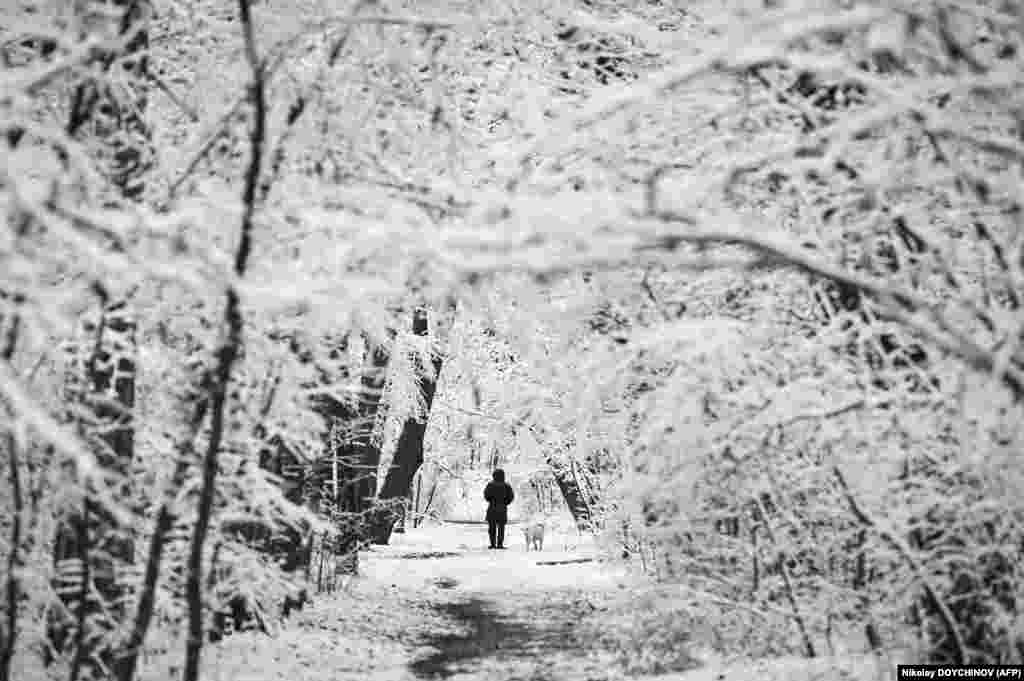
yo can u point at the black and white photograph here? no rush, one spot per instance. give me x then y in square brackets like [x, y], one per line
[511, 340]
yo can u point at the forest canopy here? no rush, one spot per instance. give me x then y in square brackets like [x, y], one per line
[735, 287]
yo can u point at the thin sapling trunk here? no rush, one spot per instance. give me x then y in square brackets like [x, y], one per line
[228, 353]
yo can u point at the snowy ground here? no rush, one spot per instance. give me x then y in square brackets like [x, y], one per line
[437, 604]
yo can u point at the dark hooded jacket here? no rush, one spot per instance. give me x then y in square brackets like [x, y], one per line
[499, 495]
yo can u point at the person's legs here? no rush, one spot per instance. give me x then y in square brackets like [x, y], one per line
[492, 530]
[501, 535]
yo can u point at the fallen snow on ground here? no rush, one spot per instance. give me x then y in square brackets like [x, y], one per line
[478, 569]
[437, 604]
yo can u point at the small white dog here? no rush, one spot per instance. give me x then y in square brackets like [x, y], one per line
[533, 533]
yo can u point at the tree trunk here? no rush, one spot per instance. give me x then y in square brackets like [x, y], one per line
[349, 468]
[9, 330]
[416, 500]
[359, 457]
[409, 451]
[115, 125]
[429, 502]
[104, 386]
[575, 497]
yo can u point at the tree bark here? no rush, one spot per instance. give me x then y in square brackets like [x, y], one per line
[576, 498]
[9, 631]
[131, 649]
[353, 454]
[105, 389]
[417, 496]
[409, 451]
[228, 353]
[116, 126]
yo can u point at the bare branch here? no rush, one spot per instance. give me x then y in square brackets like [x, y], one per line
[646, 284]
[258, 100]
[824, 414]
[764, 44]
[219, 130]
[192, 114]
[786, 578]
[9, 636]
[904, 551]
[32, 82]
[36, 416]
[917, 313]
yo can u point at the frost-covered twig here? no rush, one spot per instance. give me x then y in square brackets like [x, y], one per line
[824, 414]
[173, 96]
[900, 546]
[35, 415]
[917, 313]
[645, 283]
[30, 83]
[218, 131]
[787, 579]
[300, 105]
[762, 44]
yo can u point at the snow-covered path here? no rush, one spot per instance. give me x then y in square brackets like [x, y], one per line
[508, 614]
[407, 562]
[437, 604]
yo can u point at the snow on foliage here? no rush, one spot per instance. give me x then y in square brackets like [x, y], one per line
[736, 285]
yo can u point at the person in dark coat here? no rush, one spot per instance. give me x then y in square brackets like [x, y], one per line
[499, 495]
